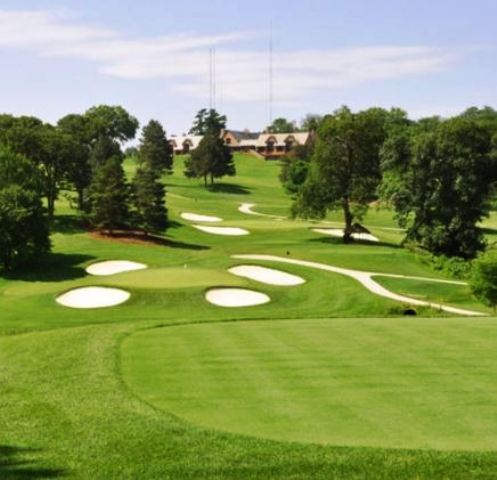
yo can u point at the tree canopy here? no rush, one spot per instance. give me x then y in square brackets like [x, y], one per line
[211, 159]
[155, 150]
[281, 125]
[111, 121]
[208, 121]
[344, 170]
[24, 231]
[439, 180]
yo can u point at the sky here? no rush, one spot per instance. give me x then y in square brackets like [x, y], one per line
[152, 57]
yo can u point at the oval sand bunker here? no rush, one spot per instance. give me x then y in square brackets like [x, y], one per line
[336, 232]
[269, 276]
[230, 231]
[193, 217]
[112, 267]
[93, 297]
[235, 297]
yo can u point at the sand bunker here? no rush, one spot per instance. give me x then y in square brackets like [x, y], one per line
[235, 297]
[193, 217]
[233, 231]
[337, 232]
[269, 276]
[112, 267]
[93, 297]
[366, 279]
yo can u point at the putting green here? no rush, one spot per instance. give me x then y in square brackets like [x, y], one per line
[411, 383]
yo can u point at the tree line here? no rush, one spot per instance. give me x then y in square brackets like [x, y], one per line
[438, 175]
[84, 153]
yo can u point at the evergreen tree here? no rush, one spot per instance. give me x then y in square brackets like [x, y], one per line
[149, 195]
[24, 232]
[155, 150]
[211, 159]
[109, 197]
[208, 121]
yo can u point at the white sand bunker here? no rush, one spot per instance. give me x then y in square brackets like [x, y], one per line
[193, 217]
[231, 231]
[112, 267]
[337, 232]
[235, 297]
[93, 297]
[269, 276]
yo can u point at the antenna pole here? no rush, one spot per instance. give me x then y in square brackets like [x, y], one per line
[210, 78]
[271, 75]
[214, 78]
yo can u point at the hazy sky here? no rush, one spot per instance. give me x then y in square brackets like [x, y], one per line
[152, 56]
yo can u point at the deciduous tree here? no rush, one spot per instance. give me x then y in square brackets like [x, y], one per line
[345, 168]
[24, 232]
[439, 179]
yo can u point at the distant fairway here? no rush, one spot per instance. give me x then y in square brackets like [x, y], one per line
[414, 383]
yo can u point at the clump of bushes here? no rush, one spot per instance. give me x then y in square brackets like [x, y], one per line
[454, 267]
[484, 279]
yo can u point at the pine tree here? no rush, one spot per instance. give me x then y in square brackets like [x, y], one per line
[109, 197]
[155, 150]
[211, 159]
[149, 194]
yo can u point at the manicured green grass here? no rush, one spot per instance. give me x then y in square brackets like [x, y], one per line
[66, 409]
[411, 383]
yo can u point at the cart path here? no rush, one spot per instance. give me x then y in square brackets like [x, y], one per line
[366, 280]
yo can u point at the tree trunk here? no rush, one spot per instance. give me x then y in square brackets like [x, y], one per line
[348, 217]
[80, 199]
[50, 205]
[212, 179]
[205, 180]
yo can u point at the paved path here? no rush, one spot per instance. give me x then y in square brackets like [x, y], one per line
[247, 209]
[366, 280]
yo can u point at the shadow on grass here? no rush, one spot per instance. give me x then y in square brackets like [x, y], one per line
[186, 246]
[231, 188]
[489, 231]
[139, 238]
[54, 267]
[17, 463]
[67, 224]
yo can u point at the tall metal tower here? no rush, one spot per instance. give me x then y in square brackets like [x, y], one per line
[271, 74]
[212, 78]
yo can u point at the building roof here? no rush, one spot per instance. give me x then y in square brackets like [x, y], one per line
[244, 135]
[179, 142]
[280, 139]
[246, 139]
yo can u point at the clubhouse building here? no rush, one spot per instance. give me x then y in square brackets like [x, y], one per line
[266, 145]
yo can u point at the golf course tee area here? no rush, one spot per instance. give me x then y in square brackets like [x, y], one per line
[244, 344]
